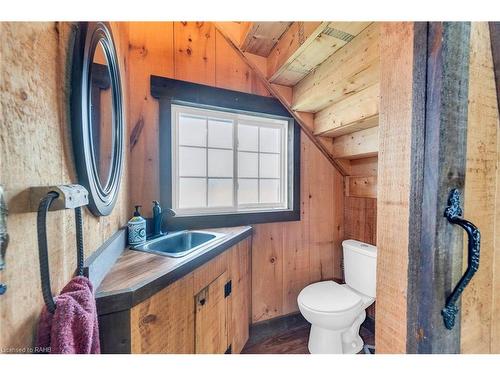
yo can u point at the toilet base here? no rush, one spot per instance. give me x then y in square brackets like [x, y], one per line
[327, 341]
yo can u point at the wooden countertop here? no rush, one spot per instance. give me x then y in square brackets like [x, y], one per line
[137, 275]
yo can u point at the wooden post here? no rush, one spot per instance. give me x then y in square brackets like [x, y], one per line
[401, 134]
[436, 248]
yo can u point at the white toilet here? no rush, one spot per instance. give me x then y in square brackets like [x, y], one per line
[336, 311]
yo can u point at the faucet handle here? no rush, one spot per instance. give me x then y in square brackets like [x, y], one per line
[170, 211]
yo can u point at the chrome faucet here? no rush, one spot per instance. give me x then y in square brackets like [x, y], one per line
[157, 218]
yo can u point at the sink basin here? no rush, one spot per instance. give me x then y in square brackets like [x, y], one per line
[179, 244]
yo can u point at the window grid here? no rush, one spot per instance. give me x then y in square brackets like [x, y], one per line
[235, 123]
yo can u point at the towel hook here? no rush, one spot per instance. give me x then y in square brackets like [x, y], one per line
[43, 207]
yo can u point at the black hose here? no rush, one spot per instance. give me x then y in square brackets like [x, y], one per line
[42, 249]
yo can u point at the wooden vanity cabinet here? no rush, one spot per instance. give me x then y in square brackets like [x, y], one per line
[206, 311]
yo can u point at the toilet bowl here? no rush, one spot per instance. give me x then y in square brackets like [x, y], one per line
[336, 311]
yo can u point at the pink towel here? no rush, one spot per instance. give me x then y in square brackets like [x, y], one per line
[72, 329]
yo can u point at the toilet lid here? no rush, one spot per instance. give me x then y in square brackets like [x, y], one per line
[328, 296]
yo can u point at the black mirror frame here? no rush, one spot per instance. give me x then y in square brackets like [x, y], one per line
[88, 34]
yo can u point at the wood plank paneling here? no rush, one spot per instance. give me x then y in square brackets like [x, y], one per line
[477, 334]
[151, 51]
[324, 229]
[35, 149]
[361, 219]
[232, 73]
[364, 167]
[267, 271]
[194, 44]
[352, 69]
[361, 186]
[360, 205]
[296, 249]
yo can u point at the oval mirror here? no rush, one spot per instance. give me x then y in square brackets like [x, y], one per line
[101, 116]
[97, 119]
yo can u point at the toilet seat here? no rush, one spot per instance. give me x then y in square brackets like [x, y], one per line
[329, 297]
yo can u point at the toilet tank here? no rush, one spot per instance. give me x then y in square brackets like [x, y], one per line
[360, 266]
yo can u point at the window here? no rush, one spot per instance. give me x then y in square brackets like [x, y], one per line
[228, 162]
[227, 158]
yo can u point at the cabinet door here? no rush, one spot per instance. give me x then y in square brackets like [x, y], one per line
[211, 323]
[164, 323]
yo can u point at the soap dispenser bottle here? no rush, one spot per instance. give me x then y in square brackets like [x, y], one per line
[136, 228]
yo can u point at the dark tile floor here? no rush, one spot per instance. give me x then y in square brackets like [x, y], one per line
[292, 340]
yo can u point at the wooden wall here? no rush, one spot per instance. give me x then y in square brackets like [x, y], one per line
[35, 149]
[360, 207]
[286, 256]
[480, 330]
[360, 204]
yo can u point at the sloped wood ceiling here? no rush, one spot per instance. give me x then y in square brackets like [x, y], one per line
[260, 37]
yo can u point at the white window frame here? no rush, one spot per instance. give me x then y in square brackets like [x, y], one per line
[260, 121]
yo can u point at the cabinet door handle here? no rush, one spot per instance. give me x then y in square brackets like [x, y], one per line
[453, 213]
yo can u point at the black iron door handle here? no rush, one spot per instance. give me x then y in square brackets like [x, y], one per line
[453, 213]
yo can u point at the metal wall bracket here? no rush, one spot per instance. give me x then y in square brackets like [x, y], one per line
[453, 213]
[69, 196]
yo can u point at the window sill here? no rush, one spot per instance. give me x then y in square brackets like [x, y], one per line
[230, 220]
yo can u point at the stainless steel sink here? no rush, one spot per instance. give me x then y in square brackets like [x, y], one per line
[179, 244]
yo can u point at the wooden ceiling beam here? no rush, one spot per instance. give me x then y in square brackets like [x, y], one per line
[357, 112]
[272, 89]
[356, 145]
[305, 45]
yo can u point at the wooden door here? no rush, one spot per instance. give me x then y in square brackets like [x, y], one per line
[211, 318]
[422, 157]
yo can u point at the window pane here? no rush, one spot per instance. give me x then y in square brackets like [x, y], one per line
[269, 165]
[269, 191]
[248, 138]
[220, 134]
[270, 140]
[220, 192]
[220, 163]
[192, 131]
[248, 191]
[192, 161]
[248, 164]
[192, 192]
